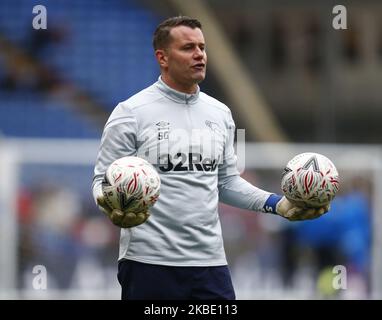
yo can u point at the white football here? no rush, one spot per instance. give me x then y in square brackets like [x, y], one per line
[131, 184]
[310, 180]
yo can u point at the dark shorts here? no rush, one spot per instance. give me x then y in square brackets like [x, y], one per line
[155, 282]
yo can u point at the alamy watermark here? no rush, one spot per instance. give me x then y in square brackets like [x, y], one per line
[40, 280]
[340, 279]
[40, 21]
[340, 20]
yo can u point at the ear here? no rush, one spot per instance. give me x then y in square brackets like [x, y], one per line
[162, 57]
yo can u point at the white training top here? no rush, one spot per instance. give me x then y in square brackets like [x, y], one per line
[189, 140]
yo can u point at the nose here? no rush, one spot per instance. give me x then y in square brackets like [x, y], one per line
[198, 53]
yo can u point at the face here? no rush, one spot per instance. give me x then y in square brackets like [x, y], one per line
[183, 63]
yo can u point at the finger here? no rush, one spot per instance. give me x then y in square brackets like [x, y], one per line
[102, 203]
[139, 218]
[298, 214]
[320, 211]
[116, 217]
[133, 220]
[300, 217]
[129, 220]
[293, 213]
[314, 213]
[129, 216]
[144, 215]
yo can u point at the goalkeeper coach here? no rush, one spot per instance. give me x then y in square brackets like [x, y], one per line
[178, 252]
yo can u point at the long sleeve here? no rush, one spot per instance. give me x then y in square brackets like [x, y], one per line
[118, 140]
[233, 189]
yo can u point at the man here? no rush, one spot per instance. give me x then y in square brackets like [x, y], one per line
[178, 252]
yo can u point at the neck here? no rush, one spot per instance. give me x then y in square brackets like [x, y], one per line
[185, 88]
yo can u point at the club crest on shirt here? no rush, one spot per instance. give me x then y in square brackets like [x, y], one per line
[163, 124]
[213, 126]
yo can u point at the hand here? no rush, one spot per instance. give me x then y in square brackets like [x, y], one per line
[290, 211]
[120, 218]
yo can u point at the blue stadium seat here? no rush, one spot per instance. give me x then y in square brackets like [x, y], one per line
[32, 115]
[104, 49]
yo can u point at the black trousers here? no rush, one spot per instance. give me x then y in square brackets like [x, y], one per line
[142, 281]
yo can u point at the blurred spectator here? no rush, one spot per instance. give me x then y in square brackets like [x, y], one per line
[313, 42]
[243, 35]
[278, 43]
[39, 41]
[56, 211]
[351, 43]
[58, 229]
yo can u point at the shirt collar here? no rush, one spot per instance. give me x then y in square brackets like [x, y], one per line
[175, 95]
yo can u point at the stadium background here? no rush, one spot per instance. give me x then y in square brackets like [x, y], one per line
[288, 77]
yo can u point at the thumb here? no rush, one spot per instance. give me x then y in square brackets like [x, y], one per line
[283, 206]
[101, 201]
[103, 205]
[293, 212]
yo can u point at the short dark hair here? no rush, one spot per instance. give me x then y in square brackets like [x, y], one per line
[162, 38]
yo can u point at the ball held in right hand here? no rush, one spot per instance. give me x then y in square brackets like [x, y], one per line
[130, 187]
